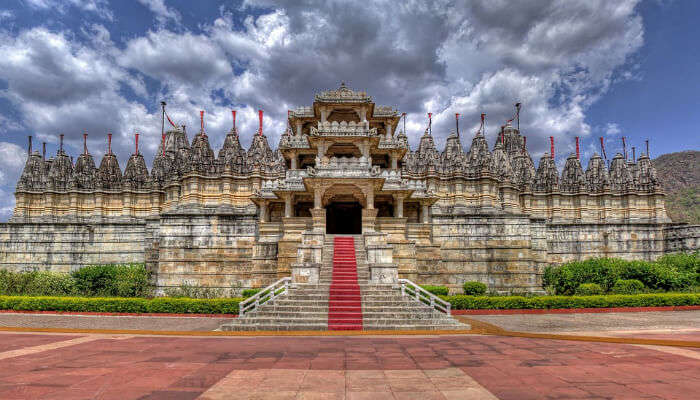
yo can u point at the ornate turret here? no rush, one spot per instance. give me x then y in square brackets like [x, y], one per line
[171, 163]
[513, 142]
[646, 174]
[136, 172]
[109, 175]
[85, 172]
[427, 157]
[33, 175]
[60, 170]
[597, 177]
[479, 157]
[572, 177]
[232, 156]
[501, 164]
[202, 160]
[620, 178]
[547, 176]
[259, 156]
[453, 160]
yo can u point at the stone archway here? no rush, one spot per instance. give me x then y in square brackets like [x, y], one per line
[343, 204]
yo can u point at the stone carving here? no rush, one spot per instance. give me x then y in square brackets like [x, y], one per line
[136, 173]
[232, 156]
[33, 176]
[479, 156]
[646, 176]
[597, 177]
[60, 172]
[343, 95]
[202, 160]
[501, 164]
[109, 175]
[547, 176]
[84, 173]
[620, 177]
[572, 177]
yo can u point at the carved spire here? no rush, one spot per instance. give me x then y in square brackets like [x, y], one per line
[572, 177]
[85, 172]
[427, 157]
[32, 178]
[202, 159]
[501, 164]
[453, 159]
[232, 156]
[620, 177]
[597, 175]
[547, 176]
[647, 179]
[259, 156]
[136, 172]
[60, 170]
[479, 156]
[109, 175]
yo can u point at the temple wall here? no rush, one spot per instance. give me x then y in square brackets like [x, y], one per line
[631, 241]
[214, 251]
[681, 237]
[64, 247]
[506, 252]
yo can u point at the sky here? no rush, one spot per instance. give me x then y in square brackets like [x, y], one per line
[588, 68]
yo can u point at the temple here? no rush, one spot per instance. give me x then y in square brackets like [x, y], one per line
[245, 218]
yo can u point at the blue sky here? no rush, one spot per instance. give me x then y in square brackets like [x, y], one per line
[588, 69]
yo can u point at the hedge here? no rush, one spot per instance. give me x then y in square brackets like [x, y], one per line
[121, 304]
[436, 290]
[463, 302]
[473, 288]
[589, 289]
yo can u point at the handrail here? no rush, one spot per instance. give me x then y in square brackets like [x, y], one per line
[410, 289]
[270, 293]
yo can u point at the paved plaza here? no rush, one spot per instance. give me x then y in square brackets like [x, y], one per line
[101, 366]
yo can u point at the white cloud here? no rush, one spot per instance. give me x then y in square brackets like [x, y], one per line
[612, 129]
[98, 7]
[162, 12]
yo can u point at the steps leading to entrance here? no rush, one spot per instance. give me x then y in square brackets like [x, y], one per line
[344, 299]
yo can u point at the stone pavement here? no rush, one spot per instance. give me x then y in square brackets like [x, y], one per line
[91, 366]
[73, 321]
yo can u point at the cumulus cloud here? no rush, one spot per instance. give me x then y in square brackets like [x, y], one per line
[445, 57]
[612, 129]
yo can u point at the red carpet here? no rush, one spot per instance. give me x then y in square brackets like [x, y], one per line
[344, 302]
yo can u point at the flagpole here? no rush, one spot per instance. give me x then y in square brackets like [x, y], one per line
[162, 126]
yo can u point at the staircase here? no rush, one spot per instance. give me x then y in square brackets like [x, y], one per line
[343, 300]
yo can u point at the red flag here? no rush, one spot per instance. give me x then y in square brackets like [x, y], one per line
[170, 120]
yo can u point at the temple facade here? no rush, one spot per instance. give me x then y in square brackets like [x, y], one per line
[244, 218]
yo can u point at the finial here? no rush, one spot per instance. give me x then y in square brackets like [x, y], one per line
[85, 151]
[457, 123]
[201, 121]
[233, 112]
[602, 148]
[43, 151]
[430, 123]
[634, 154]
[551, 142]
[624, 148]
[260, 116]
[517, 114]
[30, 145]
[137, 142]
[647, 143]
[109, 143]
[61, 146]
[524, 144]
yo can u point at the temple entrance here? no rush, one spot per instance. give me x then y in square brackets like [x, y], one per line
[344, 218]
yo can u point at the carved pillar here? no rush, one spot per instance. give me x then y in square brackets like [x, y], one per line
[425, 211]
[263, 212]
[388, 128]
[398, 207]
[288, 205]
[319, 219]
[370, 199]
[299, 128]
[318, 194]
[394, 161]
[295, 161]
[324, 114]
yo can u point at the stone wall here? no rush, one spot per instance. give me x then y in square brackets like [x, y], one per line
[682, 237]
[64, 247]
[631, 241]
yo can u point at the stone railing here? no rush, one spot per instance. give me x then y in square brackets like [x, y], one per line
[384, 111]
[294, 142]
[419, 294]
[269, 294]
[303, 112]
[343, 128]
[348, 163]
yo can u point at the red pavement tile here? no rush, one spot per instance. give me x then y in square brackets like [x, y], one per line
[17, 341]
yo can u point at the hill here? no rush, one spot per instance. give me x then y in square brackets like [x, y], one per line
[680, 176]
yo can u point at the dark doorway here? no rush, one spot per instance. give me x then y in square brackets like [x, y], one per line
[344, 218]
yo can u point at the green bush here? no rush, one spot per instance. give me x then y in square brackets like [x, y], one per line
[436, 290]
[589, 289]
[669, 273]
[185, 290]
[119, 280]
[36, 283]
[120, 304]
[474, 288]
[250, 292]
[627, 286]
[463, 302]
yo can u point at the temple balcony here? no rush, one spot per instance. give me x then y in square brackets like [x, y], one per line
[294, 142]
[343, 129]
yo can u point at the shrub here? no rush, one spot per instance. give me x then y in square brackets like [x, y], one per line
[474, 288]
[627, 286]
[36, 283]
[120, 280]
[589, 289]
[120, 304]
[250, 292]
[462, 302]
[185, 290]
[436, 290]
[670, 273]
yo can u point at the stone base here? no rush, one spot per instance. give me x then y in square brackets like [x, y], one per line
[383, 273]
[307, 273]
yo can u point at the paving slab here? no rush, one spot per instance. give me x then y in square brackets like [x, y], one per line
[76, 321]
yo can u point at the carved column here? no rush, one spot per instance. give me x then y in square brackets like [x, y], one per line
[263, 212]
[295, 161]
[394, 161]
[398, 207]
[425, 211]
[299, 128]
[288, 205]
[318, 213]
[388, 128]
